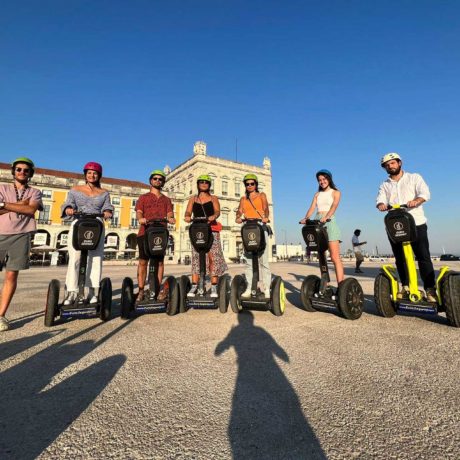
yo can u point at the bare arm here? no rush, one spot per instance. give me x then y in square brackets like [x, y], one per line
[311, 209]
[188, 211]
[23, 207]
[333, 207]
[239, 212]
[266, 214]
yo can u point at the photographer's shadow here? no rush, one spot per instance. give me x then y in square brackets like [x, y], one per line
[267, 419]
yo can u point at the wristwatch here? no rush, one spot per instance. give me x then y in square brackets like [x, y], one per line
[2, 205]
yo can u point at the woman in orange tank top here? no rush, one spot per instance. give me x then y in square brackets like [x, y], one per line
[254, 205]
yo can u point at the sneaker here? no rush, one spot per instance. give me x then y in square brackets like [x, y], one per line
[246, 293]
[93, 299]
[214, 294]
[359, 271]
[193, 291]
[431, 295]
[163, 295]
[92, 296]
[267, 293]
[403, 294]
[70, 298]
[4, 324]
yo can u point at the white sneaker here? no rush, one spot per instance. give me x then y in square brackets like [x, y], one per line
[70, 298]
[193, 291]
[4, 324]
[267, 293]
[214, 294]
[93, 300]
[246, 293]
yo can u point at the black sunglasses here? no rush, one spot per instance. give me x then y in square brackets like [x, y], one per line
[24, 170]
[203, 182]
[157, 178]
[250, 184]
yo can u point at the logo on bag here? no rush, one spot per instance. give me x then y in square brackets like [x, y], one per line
[310, 237]
[200, 235]
[157, 241]
[88, 234]
[398, 225]
[252, 236]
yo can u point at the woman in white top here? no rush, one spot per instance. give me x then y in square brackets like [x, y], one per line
[326, 200]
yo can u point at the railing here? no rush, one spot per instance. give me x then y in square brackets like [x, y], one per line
[43, 221]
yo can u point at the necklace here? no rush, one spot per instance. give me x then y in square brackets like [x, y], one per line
[19, 196]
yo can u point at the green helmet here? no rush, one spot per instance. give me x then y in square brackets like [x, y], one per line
[25, 160]
[250, 176]
[205, 177]
[157, 172]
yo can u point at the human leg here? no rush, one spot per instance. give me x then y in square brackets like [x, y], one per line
[8, 290]
[334, 250]
[421, 249]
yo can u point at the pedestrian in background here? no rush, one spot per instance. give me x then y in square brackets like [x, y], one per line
[357, 249]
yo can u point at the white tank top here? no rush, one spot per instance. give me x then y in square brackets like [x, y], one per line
[325, 200]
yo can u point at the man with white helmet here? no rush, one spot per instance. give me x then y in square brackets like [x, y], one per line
[402, 187]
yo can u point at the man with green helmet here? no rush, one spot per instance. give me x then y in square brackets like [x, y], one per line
[151, 205]
[18, 205]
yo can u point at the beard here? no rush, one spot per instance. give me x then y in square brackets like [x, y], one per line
[158, 187]
[22, 181]
[394, 171]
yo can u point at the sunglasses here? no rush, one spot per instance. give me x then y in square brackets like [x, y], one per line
[250, 184]
[157, 178]
[24, 170]
[203, 182]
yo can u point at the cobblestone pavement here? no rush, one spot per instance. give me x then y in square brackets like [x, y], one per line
[208, 385]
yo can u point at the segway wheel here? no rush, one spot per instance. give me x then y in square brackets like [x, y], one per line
[351, 298]
[52, 300]
[105, 299]
[310, 287]
[173, 296]
[237, 288]
[277, 296]
[451, 298]
[382, 296]
[127, 298]
[184, 286]
[223, 289]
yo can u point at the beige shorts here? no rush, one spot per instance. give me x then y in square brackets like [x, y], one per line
[359, 256]
[16, 250]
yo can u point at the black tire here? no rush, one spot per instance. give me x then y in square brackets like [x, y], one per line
[450, 294]
[277, 296]
[173, 296]
[237, 288]
[223, 289]
[310, 286]
[382, 296]
[105, 299]
[184, 287]
[351, 298]
[127, 298]
[52, 300]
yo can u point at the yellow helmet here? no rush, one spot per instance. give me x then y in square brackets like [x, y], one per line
[388, 157]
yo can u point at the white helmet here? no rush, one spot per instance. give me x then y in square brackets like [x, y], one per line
[388, 157]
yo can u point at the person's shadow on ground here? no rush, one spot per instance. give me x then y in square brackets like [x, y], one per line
[266, 419]
[33, 414]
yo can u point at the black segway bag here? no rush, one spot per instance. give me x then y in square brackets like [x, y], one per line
[86, 234]
[400, 226]
[156, 241]
[253, 237]
[315, 237]
[201, 236]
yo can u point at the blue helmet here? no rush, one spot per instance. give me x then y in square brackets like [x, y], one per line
[324, 172]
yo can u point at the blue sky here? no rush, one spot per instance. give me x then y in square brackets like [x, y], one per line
[331, 84]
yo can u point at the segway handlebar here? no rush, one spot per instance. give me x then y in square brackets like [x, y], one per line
[389, 208]
[156, 221]
[199, 219]
[79, 214]
[314, 222]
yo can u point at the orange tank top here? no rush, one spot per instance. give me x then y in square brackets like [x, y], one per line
[248, 209]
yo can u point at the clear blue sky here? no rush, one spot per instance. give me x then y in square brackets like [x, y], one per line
[330, 84]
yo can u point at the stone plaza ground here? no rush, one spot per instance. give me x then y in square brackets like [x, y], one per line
[206, 385]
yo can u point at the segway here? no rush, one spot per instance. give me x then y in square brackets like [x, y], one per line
[87, 232]
[347, 298]
[401, 228]
[156, 241]
[201, 238]
[253, 236]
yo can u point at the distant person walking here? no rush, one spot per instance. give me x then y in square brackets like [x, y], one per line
[357, 249]
[18, 204]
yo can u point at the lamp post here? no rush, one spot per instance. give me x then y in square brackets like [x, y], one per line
[285, 242]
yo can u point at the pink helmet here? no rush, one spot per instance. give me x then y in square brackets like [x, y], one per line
[93, 166]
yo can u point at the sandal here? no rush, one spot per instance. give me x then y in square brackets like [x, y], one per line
[140, 295]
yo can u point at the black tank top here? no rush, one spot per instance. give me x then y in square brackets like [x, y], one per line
[198, 209]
